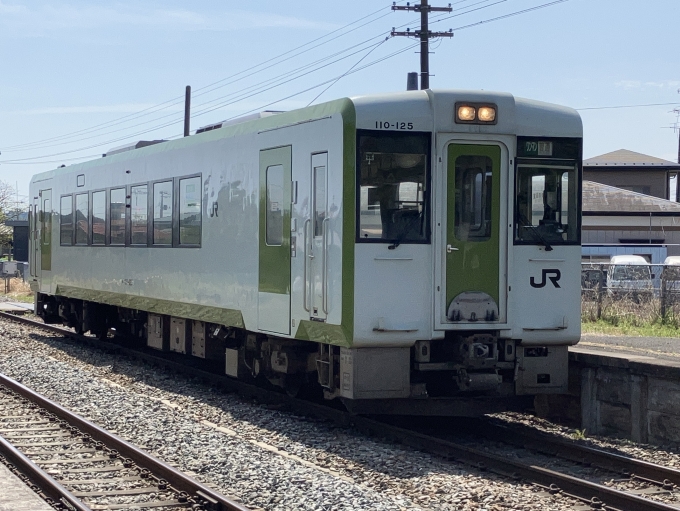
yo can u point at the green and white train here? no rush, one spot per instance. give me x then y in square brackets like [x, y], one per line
[411, 253]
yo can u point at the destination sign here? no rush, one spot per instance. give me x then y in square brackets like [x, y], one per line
[562, 148]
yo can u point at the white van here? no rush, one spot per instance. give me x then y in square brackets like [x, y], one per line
[671, 274]
[629, 275]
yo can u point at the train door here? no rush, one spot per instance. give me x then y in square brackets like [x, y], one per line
[274, 250]
[472, 258]
[45, 235]
[33, 263]
[316, 234]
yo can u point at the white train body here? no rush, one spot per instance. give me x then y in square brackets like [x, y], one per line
[383, 246]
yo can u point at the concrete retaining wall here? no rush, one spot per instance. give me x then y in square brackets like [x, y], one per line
[625, 396]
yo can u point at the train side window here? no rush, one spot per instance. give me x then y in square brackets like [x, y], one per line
[190, 211]
[66, 220]
[139, 214]
[162, 213]
[98, 218]
[393, 191]
[82, 218]
[274, 216]
[117, 216]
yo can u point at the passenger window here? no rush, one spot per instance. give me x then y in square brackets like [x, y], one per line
[393, 197]
[117, 216]
[139, 213]
[98, 218]
[274, 216]
[473, 198]
[190, 211]
[162, 213]
[66, 220]
[82, 218]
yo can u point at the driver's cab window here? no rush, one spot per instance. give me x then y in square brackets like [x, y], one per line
[393, 190]
[546, 205]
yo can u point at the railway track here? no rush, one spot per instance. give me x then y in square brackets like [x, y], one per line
[657, 480]
[76, 465]
[661, 477]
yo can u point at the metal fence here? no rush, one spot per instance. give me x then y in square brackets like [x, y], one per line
[636, 293]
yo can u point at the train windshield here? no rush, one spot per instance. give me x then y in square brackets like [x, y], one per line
[393, 190]
[547, 204]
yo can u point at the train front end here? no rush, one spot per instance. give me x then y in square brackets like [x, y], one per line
[467, 253]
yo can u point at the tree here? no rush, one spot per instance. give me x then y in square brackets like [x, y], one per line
[9, 207]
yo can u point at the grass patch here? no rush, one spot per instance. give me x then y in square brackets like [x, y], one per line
[639, 316]
[650, 330]
[20, 291]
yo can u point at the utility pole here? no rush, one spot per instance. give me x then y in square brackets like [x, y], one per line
[424, 34]
[187, 110]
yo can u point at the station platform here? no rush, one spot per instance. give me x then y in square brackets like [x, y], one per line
[627, 387]
[663, 348]
[17, 496]
[16, 307]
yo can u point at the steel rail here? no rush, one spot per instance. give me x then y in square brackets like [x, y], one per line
[556, 481]
[597, 495]
[47, 484]
[573, 451]
[175, 478]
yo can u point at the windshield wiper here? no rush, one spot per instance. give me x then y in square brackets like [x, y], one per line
[535, 232]
[397, 241]
[540, 237]
[404, 232]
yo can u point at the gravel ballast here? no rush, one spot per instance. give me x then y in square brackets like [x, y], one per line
[266, 458]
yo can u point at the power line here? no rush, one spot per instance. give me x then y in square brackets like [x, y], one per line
[444, 17]
[170, 103]
[33, 159]
[283, 78]
[156, 119]
[178, 99]
[281, 81]
[88, 157]
[269, 88]
[345, 74]
[243, 93]
[510, 15]
[625, 106]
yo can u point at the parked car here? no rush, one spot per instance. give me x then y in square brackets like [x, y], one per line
[629, 275]
[590, 277]
[671, 275]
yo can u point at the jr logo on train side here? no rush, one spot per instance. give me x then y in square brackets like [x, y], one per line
[556, 275]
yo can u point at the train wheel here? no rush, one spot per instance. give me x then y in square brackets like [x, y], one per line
[78, 327]
[293, 384]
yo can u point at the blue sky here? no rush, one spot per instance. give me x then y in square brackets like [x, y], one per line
[71, 71]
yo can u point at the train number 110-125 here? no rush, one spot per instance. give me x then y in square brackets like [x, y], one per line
[386, 125]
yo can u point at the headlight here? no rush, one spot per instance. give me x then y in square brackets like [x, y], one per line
[466, 113]
[487, 114]
[475, 113]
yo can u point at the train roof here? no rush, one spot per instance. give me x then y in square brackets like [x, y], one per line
[517, 116]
